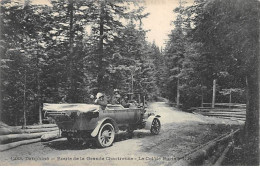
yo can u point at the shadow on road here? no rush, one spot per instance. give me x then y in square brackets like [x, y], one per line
[64, 144]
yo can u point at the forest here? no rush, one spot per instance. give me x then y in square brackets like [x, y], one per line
[76, 48]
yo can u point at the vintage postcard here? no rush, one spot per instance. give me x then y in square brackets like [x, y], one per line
[129, 83]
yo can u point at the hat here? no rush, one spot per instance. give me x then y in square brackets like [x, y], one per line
[99, 95]
[116, 90]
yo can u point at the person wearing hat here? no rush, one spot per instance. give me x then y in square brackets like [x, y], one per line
[116, 91]
[116, 99]
[63, 99]
[124, 102]
[101, 100]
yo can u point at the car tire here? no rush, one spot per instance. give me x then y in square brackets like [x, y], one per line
[130, 132]
[71, 140]
[156, 126]
[106, 135]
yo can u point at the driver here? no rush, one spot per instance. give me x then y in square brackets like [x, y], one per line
[63, 99]
[125, 103]
[116, 99]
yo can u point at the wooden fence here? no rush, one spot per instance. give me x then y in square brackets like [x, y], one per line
[232, 111]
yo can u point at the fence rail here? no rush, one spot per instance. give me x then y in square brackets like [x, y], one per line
[233, 111]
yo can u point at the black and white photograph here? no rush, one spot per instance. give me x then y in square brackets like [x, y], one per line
[129, 82]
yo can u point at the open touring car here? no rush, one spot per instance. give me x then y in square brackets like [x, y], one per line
[85, 121]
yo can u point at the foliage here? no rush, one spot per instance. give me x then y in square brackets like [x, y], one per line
[71, 48]
[206, 45]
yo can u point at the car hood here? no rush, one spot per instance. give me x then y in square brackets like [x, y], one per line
[80, 107]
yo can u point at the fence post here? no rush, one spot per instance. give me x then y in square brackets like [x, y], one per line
[214, 94]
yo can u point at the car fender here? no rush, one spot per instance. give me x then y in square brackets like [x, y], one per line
[102, 121]
[149, 121]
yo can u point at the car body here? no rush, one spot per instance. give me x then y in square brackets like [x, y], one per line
[84, 121]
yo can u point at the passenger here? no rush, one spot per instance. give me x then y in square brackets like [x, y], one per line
[124, 102]
[116, 99]
[101, 100]
[63, 99]
[92, 96]
[92, 99]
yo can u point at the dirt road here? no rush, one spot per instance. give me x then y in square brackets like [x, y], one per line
[181, 132]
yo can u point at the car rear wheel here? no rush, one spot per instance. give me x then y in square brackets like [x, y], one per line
[130, 132]
[71, 140]
[156, 126]
[106, 135]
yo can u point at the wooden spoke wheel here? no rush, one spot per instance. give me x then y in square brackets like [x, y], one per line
[71, 140]
[156, 126]
[106, 135]
[130, 132]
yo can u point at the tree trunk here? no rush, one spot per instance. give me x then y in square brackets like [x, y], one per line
[24, 100]
[5, 139]
[50, 136]
[29, 129]
[230, 98]
[132, 81]
[1, 105]
[178, 93]
[100, 48]
[202, 98]
[41, 126]
[251, 130]
[70, 57]
[251, 136]
[38, 88]
[19, 143]
[214, 94]
[16, 120]
[70, 6]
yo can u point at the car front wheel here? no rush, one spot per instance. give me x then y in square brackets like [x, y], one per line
[106, 135]
[156, 126]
